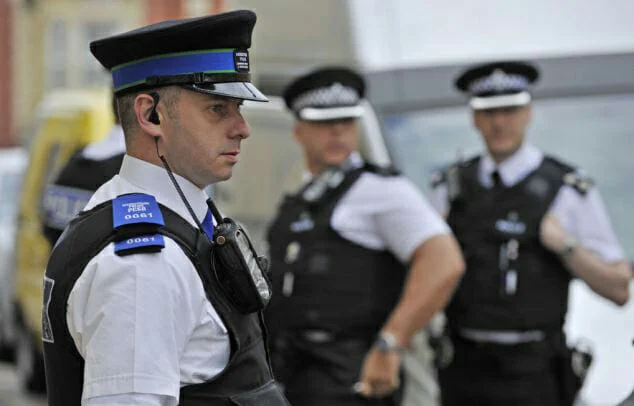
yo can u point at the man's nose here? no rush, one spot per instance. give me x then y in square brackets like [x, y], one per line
[338, 128]
[498, 118]
[242, 129]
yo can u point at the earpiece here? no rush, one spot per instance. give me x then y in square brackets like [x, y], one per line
[154, 117]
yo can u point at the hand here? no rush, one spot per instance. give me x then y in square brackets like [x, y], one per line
[551, 234]
[625, 269]
[379, 374]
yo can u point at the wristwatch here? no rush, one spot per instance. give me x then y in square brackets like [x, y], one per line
[569, 246]
[386, 342]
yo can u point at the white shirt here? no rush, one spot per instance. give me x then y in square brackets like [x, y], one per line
[142, 322]
[582, 216]
[386, 212]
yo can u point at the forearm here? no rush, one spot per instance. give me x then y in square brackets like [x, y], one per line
[436, 268]
[608, 280]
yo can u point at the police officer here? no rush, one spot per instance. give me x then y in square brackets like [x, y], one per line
[139, 304]
[85, 172]
[359, 259]
[527, 223]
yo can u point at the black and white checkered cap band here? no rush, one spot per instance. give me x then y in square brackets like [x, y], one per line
[499, 81]
[335, 95]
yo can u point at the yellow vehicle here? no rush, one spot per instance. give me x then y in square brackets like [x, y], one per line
[67, 120]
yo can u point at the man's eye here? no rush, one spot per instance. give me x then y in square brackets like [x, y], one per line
[219, 109]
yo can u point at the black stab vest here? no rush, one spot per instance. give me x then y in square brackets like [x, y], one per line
[338, 286]
[247, 380]
[485, 221]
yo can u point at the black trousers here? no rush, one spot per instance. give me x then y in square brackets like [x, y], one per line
[322, 374]
[494, 375]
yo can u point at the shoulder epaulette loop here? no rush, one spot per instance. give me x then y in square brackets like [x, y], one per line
[579, 181]
[136, 219]
[382, 170]
[438, 178]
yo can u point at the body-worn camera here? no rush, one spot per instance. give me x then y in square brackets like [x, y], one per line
[242, 274]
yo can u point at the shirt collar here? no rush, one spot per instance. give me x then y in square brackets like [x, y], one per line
[155, 181]
[513, 169]
[355, 161]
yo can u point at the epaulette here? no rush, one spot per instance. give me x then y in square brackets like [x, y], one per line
[438, 178]
[572, 176]
[450, 173]
[381, 170]
[579, 181]
[136, 219]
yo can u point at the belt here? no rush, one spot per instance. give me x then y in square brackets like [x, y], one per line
[502, 337]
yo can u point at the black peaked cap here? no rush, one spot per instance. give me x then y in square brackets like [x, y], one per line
[227, 30]
[323, 77]
[525, 69]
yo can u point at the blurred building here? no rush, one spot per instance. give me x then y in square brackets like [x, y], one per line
[44, 45]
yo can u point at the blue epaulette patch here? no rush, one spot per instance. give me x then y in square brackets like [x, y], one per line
[140, 243]
[138, 216]
[136, 208]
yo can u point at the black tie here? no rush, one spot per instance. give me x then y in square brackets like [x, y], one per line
[496, 180]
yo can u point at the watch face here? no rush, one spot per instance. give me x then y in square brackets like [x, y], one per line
[386, 342]
[382, 344]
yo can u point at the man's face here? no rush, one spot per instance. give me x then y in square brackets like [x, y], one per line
[327, 143]
[502, 129]
[202, 138]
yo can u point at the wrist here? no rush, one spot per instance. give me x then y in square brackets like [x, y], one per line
[387, 342]
[568, 247]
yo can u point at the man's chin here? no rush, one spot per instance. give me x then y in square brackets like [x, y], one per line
[221, 177]
[226, 176]
[337, 160]
[504, 151]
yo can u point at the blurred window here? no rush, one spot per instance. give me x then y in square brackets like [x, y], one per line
[594, 133]
[57, 54]
[69, 62]
[93, 74]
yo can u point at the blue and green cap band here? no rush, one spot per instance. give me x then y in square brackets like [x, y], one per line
[215, 61]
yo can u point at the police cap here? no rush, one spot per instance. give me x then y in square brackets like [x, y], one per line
[498, 84]
[330, 93]
[206, 54]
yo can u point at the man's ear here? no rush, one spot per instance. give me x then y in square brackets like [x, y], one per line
[148, 115]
